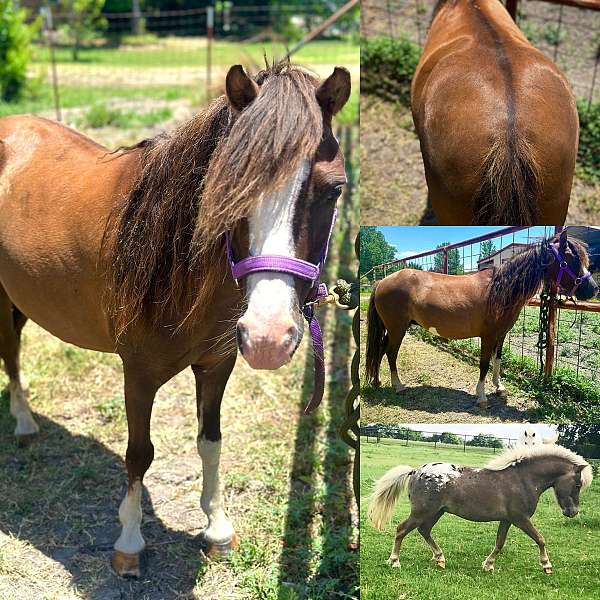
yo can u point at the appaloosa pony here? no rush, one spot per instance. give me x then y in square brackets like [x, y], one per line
[155, 252]
[507, 489]
[496, 120]
[485, 304]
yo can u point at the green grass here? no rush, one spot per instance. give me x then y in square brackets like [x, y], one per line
[571, 544]
[102, 115]
[223, 53]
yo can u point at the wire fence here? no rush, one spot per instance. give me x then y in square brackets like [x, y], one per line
[577, 327]
[154, 59]
[567, 34]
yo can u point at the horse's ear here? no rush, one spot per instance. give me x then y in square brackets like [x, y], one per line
[562, 244]
[240, 88]
[334, 92]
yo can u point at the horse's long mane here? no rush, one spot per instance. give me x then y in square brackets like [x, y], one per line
[164, 247]
[518, 454]
[520, 278]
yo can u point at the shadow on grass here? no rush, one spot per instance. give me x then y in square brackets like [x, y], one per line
[439, 399]
[63, 495]
[326, 510]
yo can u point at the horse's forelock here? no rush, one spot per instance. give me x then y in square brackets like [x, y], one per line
[267, 143]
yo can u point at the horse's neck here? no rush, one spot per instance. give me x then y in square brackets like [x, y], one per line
[543, 473]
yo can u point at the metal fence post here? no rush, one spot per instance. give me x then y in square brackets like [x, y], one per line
[210, 26]
[48, 27]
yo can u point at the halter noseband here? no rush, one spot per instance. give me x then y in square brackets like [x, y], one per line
[564, 268]
[301, 269]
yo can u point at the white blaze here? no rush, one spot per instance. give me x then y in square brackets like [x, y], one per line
[271, 232]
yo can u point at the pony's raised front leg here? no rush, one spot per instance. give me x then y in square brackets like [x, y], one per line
[11, 325]
[139, 397]
[488, 563]
[538, 538]
[484, 365]
[210, 385]
[401, 532]
[500, 389]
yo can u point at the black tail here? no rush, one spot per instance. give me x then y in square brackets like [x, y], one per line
[509, 190]
[376, 343]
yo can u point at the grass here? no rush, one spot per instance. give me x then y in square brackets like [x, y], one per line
[101, 115]
[172, 54]
[570, 544]
[286, 477]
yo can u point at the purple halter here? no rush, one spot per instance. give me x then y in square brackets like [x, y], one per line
[564, 268]
[300, 269]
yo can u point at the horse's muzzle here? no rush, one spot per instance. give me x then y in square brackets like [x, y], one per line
[570, 512]
[267, 345]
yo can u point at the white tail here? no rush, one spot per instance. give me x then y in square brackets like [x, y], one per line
[385, 495]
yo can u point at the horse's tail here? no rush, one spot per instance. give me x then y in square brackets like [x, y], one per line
[509, 187]
[386, 493]
[376, 342]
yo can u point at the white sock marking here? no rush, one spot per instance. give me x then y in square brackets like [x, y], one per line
[219, 528]
[19, 409]
[130, 514]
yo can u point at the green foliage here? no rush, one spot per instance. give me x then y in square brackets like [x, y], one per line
[553, 34]
[581, 438]
[455, 266]
[15, 50]
[374, 249]
[448, 438]
[84, 23]
[487, 248]
[589, 139]
[485, 440]
[387, 67]
[102, 115]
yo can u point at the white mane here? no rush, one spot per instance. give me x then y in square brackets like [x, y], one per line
[517, 454]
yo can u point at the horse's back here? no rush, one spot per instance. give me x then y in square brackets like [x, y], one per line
[57, 191]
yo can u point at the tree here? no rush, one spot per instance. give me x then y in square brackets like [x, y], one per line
[84, 22]
[455, 266]
[374, 249]
[485, 440]
[581, 438]
[15, 50]
[487, 248]
[449, 438]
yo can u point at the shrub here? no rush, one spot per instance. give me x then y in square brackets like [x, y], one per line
[589, 139]
[387, 67]
[15, 44]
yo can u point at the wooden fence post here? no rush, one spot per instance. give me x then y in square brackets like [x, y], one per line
[511, 7]
[552, 312]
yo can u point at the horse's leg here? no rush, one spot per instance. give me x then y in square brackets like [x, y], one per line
[12, 322]
[139, 397]
[219, 535]
[401, 532]
[425, 531]
[538, 538]
[487, 348]
[395, 338]
[488, 563]
[500, 389]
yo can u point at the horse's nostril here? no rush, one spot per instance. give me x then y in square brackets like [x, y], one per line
[241, 332]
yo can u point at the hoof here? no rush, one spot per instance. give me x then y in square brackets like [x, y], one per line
[441, 564]
[126, 565]
[548, 570]
[487, 567]
[400, 389]
[25, 439]
[482, 405]
[393, 562]
[222, 550]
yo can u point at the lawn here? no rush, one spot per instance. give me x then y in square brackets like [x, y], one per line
[571, 544]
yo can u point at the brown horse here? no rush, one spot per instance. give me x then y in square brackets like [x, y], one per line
[125, 253]
[496, 119]
[485, 304]
[507, 490]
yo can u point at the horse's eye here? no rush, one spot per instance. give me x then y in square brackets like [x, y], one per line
[336, 192]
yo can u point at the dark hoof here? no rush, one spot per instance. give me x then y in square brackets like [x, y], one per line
[223, 550]
[126, 565]
[26, 439]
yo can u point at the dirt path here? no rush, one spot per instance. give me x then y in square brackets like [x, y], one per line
[393, 187]
[441, 389]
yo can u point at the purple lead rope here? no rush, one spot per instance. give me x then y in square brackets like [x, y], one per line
[302, 270]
